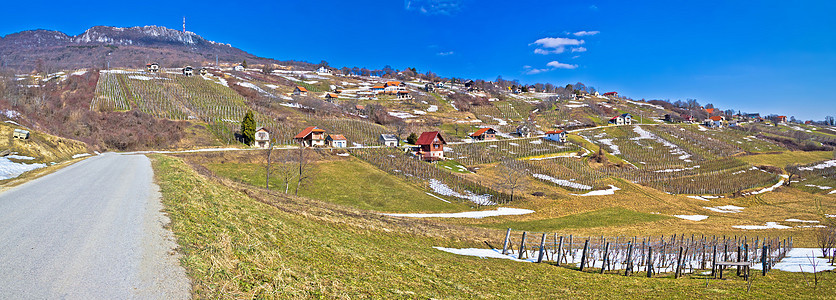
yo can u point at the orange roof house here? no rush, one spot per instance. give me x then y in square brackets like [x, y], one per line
[300, 91]
[311, 137]
[484, 134]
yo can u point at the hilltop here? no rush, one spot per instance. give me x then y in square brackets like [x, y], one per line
[131, 47]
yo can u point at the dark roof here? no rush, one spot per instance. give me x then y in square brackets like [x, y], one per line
[389, 137]
[307, 131]
[626, 114]
[427, 138]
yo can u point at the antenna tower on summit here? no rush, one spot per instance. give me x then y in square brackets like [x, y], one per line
[184, 24]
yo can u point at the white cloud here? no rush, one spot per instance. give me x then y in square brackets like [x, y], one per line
[558, 65]
[445, 53]
[557, 42]
[555, 45]
[554, 65]
[578, 49]
[576, 56]
[553, 51]
[585, 33]
[434, 7]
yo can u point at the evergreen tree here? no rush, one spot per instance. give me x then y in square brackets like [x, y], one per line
[412, 138]
[248, 128]
[244, 64]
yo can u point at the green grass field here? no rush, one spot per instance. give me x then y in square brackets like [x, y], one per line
[350, 182]
[252, 245]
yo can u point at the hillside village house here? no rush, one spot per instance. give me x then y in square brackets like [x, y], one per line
[204, 71]
[311, 137]
[611, 94]
[238, 68]
[556, 135]
[714, 122]
[378, 89]
[262, 138]
[404, 95]
[330, 97]
[153, 67]
[392, 87]
[781, 119]
[300, 91]
[484, 134]
[388, 140]
[524, 131]
[323, 71]
[623, 119]
[431, 146]
[188, 71]
[429, 87]
[20, 134]
[336, 141]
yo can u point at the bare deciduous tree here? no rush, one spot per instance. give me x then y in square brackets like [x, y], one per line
[513, 176]
[305, 167]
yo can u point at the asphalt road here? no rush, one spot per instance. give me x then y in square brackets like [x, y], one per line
[92, 230]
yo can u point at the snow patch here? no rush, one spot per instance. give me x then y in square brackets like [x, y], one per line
[692, 217]
[609, 191]
[500, 211]
[725, 209]
[442, 189]
[10, 169]
[562, 182]
[769, 225]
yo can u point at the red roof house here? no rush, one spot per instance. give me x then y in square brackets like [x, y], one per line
[556, 135]
[431, 146]
[615, 94]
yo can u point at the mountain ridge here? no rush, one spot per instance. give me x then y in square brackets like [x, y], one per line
[108, 46]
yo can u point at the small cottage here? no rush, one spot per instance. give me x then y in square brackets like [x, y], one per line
[431, 146]
[188, 71]
[714, 122]
[238, 68]
[404, 95]
[429, 87]
[336, 141]
[484, 134]
[378, 89]
[20, 134]
[153, 68]
[330, 97]
[300, 91]
[311, 137]
[388, 140]
[556, 135]
[323, 71]
[262, 138]
[204, 71]
[623, 119]
[611, 94]
[524, 131]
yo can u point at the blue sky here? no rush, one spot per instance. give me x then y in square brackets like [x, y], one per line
[765, 56]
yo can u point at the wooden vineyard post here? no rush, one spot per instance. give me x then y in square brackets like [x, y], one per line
[507, 240]
[676, 273]
[583, 254]
[571, 254]
[606, 256]
[522, 246]
[714, 263]
[649, 261]
[559, 250]
[763, 260]
[542, 249]
[629, 267]
[739, 257]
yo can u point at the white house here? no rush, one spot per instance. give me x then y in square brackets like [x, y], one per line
[323, 71]
[623, 119]
[556, 135]
[262, 138]
[336, 141]
[524, 131]
[404, 95]
[388, 140]
[238, 68]
[153, 67]
[188, 71]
